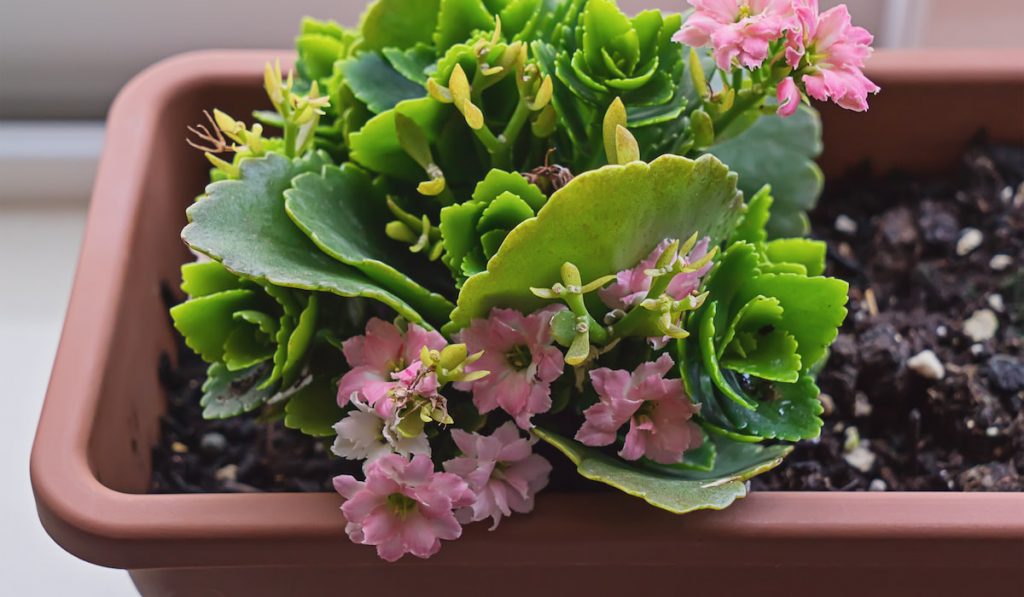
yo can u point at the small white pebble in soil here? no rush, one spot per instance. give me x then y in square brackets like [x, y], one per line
[861, 405]
[1006, 194]
[179, 448]
[970, 239]
[860, 458]
[977, 349]
[846, 225]
[927, 365]
[981, 325]
[971, 424]
[877, 485]
[992, 431]
[1000, 262]
[941, 331]
[226, 473]
[996, 302]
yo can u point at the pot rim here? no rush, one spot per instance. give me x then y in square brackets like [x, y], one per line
[71, 499]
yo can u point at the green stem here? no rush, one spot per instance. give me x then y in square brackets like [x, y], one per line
[511, 133]
[741, 105]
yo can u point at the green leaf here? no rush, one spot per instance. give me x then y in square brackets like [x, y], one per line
[715, 490]
[779, 152]
[202, 278]
[398, 23]
[413, 62]
[751, 228]
[813, 309]
[376, 145]
[206, 322]
[375, 83]
[344, 215]
[298, 342]
[802, 251]
[314, 409]
[317, 54]
[791, 412]
[243, 224]
[458, 19]
[228, 394]
[604, 221]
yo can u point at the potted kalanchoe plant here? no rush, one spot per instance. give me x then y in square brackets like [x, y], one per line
[487, 224]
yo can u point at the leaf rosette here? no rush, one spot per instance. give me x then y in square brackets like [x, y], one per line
[604, 54]
[254, 336]
[473, 231]
[766, 326]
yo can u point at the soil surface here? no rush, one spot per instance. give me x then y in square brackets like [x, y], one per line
[934, 264]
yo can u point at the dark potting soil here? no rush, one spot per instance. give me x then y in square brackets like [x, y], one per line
[933, 265]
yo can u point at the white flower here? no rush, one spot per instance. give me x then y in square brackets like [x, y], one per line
[364, 434]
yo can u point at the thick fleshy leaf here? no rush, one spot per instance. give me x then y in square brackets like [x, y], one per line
[228, 394]
[299, 341]
[751, 228]
[791, 412]
[375, 83]
[202, 278]
[813, 309]
[206, 322]
[413, 62]
[376, 145]
[345, 217]
[604, 221]
[314, 409]
[779, 152]
[458, 19]
[399, 23]
[243, 224]
[712, 490]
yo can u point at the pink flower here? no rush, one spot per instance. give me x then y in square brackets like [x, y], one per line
[835, 51]
[631, 285]
[657, 410]
[502, 471]
[522, 362]
[403, 506]
[378, 356]
[736, 29]
[789, 97]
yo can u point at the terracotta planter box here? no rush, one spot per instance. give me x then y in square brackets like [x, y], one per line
[91, 460]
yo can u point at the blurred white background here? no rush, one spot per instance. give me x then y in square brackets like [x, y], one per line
[62, 62]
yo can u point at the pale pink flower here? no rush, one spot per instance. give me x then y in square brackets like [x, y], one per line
[502, 471]
[632, 285]
[657, 409]
[736, 29]
[789, 97]
[522, 362]
[378, 356]
[364, 434]
[403, 506]
[835, 51]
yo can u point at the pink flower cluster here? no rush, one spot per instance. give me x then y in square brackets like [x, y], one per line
[825, 50]
[522, 360]
[385, 360]
[657, 410]
[632, 285]
[404, 506]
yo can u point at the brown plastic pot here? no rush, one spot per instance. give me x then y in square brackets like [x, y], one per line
[91, 459]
